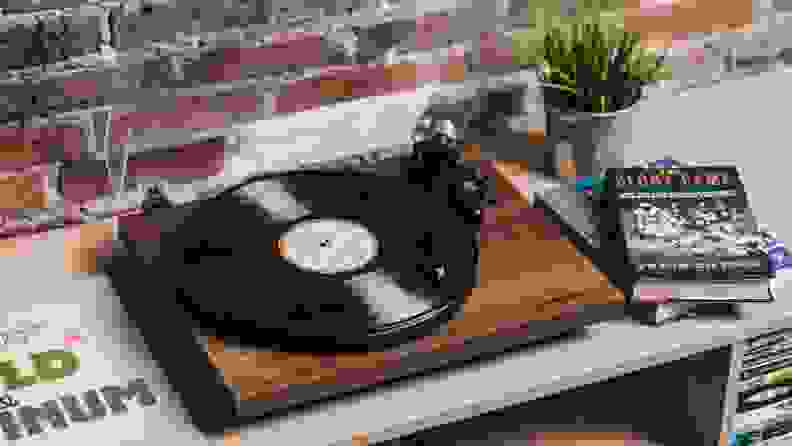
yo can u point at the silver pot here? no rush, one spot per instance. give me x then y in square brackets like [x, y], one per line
[592, 142]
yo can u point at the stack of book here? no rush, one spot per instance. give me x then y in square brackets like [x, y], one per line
[764, 401]
[676, 239]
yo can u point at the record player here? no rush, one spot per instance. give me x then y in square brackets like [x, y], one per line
[295, 287]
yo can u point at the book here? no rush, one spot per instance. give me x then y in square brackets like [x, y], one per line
[765, 342]
[665, 312]
[765, 423]
[776, 364]
[659, 313]
[758, 290]
[767, 355]
[685, 234]
[763, 415]
[771, 378]
[577, 210]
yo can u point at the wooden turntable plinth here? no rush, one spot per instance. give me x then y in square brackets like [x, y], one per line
[527, 274]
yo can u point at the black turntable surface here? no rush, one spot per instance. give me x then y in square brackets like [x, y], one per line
[313, 260]
[328, 295]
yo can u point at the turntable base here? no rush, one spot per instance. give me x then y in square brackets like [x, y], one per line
[532, 285]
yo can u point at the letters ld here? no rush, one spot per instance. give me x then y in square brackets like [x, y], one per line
[47, 366]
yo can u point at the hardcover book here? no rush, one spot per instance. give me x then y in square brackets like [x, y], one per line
[686, 234]
[578, 211]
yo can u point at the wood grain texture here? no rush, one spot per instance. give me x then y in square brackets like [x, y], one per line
[526, 274]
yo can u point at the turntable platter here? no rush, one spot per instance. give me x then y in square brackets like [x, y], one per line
[321, 260]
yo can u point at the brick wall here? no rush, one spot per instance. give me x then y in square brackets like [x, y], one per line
[34, 35]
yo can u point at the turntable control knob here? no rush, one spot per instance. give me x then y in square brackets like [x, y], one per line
[480, 186]
[472, 186]
[472, 193]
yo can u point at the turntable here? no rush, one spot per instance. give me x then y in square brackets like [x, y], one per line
[299, 286]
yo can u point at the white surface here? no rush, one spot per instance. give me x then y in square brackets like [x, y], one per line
[37, 288]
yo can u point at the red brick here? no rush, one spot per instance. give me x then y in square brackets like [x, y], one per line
[289, 51]
[22, 148]
[189, 161]
[430, 31]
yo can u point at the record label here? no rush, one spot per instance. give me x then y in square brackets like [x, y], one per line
[329, 246]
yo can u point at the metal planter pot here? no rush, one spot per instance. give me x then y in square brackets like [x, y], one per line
[589, 142]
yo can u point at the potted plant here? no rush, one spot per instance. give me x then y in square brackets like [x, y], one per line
[593, 74]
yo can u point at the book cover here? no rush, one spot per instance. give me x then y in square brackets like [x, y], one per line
[73, 368]
[687, 223]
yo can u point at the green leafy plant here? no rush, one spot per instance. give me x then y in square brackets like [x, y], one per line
[597, 67]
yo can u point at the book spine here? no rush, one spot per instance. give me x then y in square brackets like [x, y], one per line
[761, 417]
[762, 398]
[781, 349]
[613, 242]
[764, 395]
[726, 270]
[778, 363]
[770, 348]
[776, 377]
[761, 343]
[777, 429]
[766, 423]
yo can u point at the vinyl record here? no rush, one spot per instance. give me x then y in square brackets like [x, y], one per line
[315, 260]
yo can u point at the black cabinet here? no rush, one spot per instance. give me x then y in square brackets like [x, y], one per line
[678, 403]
